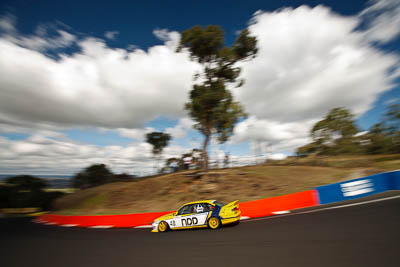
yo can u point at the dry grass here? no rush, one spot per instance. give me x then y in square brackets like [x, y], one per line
[381, 162]
[169, 192]
[19, 210]
[63, 190]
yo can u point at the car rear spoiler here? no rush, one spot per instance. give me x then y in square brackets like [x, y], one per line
[232, 204]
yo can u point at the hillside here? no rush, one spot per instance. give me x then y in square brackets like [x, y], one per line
[168, 192]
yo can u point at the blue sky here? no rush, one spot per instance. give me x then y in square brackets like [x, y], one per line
[135, 20]
[81, 82]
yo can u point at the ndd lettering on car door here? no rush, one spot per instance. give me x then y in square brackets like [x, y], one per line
[189, 221]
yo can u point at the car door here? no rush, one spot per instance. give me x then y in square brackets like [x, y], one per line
[201, 214]
[181, 218]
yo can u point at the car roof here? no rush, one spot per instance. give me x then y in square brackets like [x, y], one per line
[200, 201]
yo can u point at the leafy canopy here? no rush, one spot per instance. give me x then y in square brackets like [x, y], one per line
[339, 123]
[27, 182]
[336, 135]
[93, 175]
[158, 140]
[392, 117]
[211, 104]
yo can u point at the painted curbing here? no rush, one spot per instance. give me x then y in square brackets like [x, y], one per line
[338, 192]
[250, 209]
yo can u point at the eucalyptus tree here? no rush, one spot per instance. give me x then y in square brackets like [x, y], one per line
[159, 141]
[211, 103]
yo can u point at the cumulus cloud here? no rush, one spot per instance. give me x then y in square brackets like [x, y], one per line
[182, 128]
[42, 43]
[382, 20]
[111, 34]
[98, 86]
[170, 38]
[138, 134]
[7, 23]
[46, 153]
[47, 36]
[179, 131]
[310, 60]
[272, 136]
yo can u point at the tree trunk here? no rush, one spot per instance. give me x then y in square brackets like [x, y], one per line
[204, 152]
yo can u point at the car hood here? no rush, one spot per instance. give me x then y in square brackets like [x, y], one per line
[165, 217]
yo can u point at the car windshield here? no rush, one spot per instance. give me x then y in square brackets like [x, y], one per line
[219, 204]
[185, 210]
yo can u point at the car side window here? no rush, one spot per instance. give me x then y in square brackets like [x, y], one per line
[199, 208]
[206, 207]
[186, 210]
[210, 207]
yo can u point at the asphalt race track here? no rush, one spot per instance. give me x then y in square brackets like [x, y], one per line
[361, 235]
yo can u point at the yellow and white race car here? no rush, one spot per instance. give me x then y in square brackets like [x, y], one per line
[198, 214]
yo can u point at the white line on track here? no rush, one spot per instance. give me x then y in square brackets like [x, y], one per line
[143, 226]
[102, 226]
[328, 208]
[68, 225]
[350, 205]
[244, 218]
[281, 212]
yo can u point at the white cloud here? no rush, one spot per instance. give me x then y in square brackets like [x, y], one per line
[38, 43]
[99, 86]
[41, 154]
[170, 38]
[138, 134]
[42, 41]
[111, 34]
[181, 129]
[382, 19]
[392, 101]
[272, 136]
[310, 60]
[7, 23]
[277, 156]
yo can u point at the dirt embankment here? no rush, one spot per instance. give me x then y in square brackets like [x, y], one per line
[168, 192]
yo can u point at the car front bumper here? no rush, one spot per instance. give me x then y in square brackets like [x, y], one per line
[154, 227]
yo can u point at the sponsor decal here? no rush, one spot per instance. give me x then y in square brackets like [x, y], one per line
[189, 221]
[357, 188]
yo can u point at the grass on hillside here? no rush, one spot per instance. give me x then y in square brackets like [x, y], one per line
[379, 162]
[168, 192]
[63, 190]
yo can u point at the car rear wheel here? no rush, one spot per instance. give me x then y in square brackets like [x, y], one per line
[163, 226]
[214, 223]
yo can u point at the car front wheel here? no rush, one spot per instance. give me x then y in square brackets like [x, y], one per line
[162, 226]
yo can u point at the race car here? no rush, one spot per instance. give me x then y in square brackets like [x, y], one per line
[199, 214]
